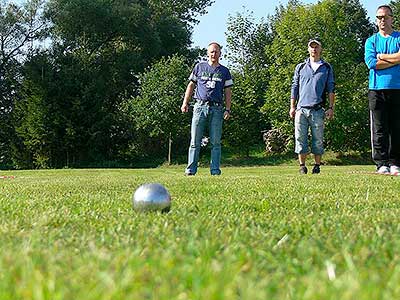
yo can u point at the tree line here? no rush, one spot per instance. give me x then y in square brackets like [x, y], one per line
[100, 82]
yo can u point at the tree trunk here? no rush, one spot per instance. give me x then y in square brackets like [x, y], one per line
[169, 148]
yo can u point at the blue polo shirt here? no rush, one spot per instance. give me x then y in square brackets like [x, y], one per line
[308, 85]
[210, 81]
[385, 78]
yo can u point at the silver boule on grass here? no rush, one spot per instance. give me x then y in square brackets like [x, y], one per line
[151, 197]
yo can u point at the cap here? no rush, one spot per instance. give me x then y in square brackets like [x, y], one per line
[313, 41]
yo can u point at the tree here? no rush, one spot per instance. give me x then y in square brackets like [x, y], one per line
[185, 10]
[395, 5]
[19, 27]
[246, 42]
[156, 110]
[98, 49]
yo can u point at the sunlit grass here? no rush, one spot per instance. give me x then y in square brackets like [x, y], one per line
[252, 233]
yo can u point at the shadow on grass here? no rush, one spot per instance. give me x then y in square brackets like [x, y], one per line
[264, 160]
[259, 158]
[345, 159]
[329, 158]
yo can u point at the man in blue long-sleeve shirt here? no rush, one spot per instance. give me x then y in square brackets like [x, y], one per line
[311, 81]
[382, 56]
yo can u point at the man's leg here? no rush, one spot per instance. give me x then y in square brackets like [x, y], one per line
[302, 159]
[379, 127]
[215, 128]
[301, 138]
[394, 125]
[197, 129]
[317, 133]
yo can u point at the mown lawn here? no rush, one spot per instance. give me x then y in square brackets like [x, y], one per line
[252, 233]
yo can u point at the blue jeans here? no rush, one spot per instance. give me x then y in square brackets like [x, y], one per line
[203, 113]
[305, 119]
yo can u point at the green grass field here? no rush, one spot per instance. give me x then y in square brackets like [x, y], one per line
[252, 233]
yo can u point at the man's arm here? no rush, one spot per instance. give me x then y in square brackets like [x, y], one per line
[370, 53]
[330, 110]
[292, 111]
[228, 99]
[188, 94]
[387, 60]
[294, 93]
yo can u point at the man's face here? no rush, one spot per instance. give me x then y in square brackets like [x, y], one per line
[384, 19]
[213, 53]
[315, 50]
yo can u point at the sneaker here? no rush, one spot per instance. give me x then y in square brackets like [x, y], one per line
[303, 170]
[394, 170]
[384, 170]
[189, 174]
[215, 173]
[316, 169]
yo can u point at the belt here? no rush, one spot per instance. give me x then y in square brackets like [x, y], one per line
[314, 107]
[209, 102]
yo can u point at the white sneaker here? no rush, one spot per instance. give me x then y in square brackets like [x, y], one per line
[394, 170]
[383, 170]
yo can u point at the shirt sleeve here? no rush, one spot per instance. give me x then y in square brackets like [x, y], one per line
[295, 83]
[229, 80]
[193, 75]
[331, 81]
[370, 53]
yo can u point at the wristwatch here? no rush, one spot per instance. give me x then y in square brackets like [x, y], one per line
[228, 111]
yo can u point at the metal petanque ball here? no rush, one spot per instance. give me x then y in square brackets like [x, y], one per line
[151, 197]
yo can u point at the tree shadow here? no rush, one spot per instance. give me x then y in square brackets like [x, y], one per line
[266, 160]
[346, 159]
[329, 158]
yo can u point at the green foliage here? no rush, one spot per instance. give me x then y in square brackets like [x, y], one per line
[395, 5]
[156, 110]
[144, 29]
[246, 41]
[243, 130]
[72, 234]
[19, 27]
[185, 10]
[32, 127]
[342, 27]
[74, 93]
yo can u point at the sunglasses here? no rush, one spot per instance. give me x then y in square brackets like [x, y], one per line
[384, 17]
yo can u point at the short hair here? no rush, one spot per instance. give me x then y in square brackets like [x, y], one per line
[386, 7]
[215, 43]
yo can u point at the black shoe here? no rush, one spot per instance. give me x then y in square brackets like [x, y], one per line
[216, 173]
[303, 170]
[316, 169]
[189, 174]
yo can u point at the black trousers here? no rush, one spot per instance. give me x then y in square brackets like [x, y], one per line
[384, 106]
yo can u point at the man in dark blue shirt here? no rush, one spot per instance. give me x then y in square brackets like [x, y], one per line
[312, 79]
[211, 81]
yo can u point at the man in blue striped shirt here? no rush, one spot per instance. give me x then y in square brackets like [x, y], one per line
[211, 82]
[382, 56]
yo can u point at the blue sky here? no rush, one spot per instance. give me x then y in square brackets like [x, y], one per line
[213, 25]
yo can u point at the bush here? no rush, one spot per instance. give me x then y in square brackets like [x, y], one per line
[276, 141]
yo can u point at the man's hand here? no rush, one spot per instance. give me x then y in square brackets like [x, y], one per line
[184, 107]
[292, 112]
[329, 113]
[227, 114]
[188, 94]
